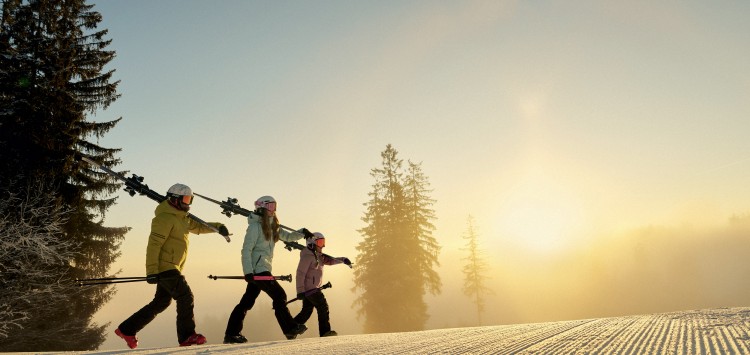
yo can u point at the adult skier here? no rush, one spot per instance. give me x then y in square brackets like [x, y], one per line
[263, 231]
[309, 278]
[165, 259]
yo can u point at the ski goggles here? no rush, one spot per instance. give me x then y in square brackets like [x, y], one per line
[270, 206]
[320, 242]
[186, 199]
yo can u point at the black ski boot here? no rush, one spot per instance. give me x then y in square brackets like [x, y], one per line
[235, 339]
[298, 330]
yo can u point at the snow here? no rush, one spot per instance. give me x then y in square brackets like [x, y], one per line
[711, 331]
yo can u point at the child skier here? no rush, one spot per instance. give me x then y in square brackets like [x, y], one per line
[309, 278]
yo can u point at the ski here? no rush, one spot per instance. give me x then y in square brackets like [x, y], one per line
[231, 206]
[134, 184]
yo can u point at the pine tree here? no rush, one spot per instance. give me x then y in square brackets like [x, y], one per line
[475, 270]
[397, 254]
[52, 75]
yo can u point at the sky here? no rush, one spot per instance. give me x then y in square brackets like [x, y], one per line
[588, 139]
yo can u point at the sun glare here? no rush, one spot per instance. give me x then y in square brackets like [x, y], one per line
[541, 217]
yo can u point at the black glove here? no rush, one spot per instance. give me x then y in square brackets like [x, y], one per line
[249, 277]
[346, 261]
[223, 230]
[301, 296]
[152, 279]
[307, 233]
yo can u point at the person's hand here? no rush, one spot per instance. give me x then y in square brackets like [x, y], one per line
[346, 261]
[223, 230]
[307, 233]
[249, 278]
[152, 279]
[301, 296]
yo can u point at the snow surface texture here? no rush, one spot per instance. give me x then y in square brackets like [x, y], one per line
[714, 331]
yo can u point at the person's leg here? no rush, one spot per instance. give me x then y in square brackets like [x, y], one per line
[145, 315]
[321, 305]
[290, 328]
[234, 324]
[180, 291]
[304, 313]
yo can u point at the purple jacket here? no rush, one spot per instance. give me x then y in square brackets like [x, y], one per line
[310, 269]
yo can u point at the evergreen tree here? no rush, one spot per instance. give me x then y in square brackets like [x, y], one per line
[397, 254]
[52, 75]
[475, 270]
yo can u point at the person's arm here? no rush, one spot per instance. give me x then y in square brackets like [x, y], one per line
[288, 236]
[198, 228]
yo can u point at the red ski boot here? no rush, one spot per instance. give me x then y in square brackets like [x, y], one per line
[131, 340]
[195, 339]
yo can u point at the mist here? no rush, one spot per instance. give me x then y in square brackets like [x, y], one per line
[645, 270]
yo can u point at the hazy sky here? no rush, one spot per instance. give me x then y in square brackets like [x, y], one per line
[557, 124]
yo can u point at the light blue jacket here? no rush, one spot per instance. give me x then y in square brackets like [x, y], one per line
[257, 251]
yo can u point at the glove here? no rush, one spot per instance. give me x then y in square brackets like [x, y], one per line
[346, 261]
[249, 278]
[152, 279]
[301, 296]
[223, 230]
[307, 233]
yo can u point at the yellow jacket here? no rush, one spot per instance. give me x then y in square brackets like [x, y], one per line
[168, 242]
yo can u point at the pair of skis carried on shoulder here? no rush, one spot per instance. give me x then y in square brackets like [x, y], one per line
[231, 207]
[134, 184]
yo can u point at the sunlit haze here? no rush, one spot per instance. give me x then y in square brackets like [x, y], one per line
[600, 146]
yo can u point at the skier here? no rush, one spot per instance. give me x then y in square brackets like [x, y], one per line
[165, 259]
[262, 233]
[309, 278]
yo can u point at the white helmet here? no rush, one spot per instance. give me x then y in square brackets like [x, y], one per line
[312, 240]
[181, 191]
[266, 202]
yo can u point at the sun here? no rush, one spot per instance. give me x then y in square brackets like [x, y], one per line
[541, 217]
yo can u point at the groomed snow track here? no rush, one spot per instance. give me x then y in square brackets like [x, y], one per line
[714, 331]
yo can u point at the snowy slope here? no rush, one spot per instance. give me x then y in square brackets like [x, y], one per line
[714, 331]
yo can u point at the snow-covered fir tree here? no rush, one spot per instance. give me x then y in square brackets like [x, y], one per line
[52, 75]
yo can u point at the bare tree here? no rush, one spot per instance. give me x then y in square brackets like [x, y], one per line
[33, 258]
[475, 270]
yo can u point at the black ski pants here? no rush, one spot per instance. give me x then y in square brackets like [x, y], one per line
[318, 301]
[171, 285]
[278, 296]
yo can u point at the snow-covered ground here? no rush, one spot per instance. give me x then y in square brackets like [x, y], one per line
[713, 331]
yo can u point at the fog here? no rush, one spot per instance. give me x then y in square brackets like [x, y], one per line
[645, 270]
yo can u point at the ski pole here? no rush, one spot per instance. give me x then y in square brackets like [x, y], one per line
[112, 278]
[109, 282]
[255, 277]
[310, 292]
